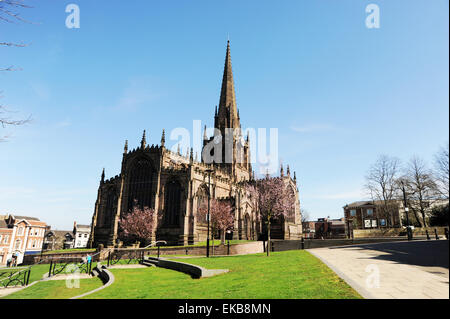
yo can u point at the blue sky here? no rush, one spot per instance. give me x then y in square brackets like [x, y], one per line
[339, 93]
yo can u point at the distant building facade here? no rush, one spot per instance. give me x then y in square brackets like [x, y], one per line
[58, 239]
[81, 235]
[20, 236]
[324, 228]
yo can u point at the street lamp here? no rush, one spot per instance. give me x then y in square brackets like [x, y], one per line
[405, 204]
[208, 216]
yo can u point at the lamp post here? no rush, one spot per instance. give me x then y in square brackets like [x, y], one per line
[405, 204]
[208, 216]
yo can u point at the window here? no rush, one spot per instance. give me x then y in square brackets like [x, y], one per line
[20, 231]
[369, 212]
[383, 222]
[79, 235]
[34, 243]
[5, 241]
[85, 235]
[17, 246]
[353, 212]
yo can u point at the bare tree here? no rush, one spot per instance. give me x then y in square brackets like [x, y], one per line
[381, 184]
[441, 163]
[422, 186]
[9, 13]
[305, 215]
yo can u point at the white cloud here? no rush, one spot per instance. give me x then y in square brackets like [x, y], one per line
[138, 92]
[310, 128]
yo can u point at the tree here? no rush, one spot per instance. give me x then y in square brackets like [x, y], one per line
[9, 13]
[222, 218]
[381, 184]
[439, 216]
[441, 163]
[138, 224]
[422, 186]
[274, 201]
[305, 215]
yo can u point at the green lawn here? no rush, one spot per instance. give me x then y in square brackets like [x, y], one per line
[284, 275]
[55, 289]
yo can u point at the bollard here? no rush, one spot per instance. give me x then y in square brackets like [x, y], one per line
[109, 258]
[436, 234]
[158, 251]
[264, 245]
[228, 247]
[187, 250]
[446, 233]
[428, 235]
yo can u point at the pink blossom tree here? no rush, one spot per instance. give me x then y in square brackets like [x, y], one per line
[222, 218]
[138, 224]
[273, 200]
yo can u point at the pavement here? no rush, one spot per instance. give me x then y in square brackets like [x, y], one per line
[394, 270]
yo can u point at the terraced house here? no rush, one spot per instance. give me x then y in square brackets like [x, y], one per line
[176, 185]
[20, 236]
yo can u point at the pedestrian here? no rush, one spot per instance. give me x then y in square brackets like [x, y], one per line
[8, 262]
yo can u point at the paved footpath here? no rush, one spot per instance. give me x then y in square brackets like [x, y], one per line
[395, 270]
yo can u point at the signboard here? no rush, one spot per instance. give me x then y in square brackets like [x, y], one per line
[367, 223]
[374, 223]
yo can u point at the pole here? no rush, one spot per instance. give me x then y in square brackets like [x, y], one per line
[405, 204]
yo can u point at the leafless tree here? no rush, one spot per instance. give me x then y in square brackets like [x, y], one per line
[10, 13]
[422, 187]
[441, 163]
[381, 184]
[305, 215]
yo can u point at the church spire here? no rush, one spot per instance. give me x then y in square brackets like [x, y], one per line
[163, 138]
[143, 141]
[227, 105]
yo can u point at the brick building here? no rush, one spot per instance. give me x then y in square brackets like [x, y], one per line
[176, 185]
[20, 236]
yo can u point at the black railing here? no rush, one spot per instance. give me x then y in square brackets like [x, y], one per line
[13, 277]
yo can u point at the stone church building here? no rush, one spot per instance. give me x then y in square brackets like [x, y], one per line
[176, 185]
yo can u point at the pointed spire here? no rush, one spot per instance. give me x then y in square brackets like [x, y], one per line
[227, 103]
[103, 176]
[163, 138]
[295, 177]
[178, 149]
[288, 171]
[125, 148]
[281, 170]
[196, 156]
[205, 137]
[191, 156]
[143, 141]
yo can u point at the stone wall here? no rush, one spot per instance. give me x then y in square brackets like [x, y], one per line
[395, 232]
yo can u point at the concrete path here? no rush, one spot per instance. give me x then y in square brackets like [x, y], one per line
[395, 270]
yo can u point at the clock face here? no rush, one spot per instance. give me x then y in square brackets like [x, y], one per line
[217, 139]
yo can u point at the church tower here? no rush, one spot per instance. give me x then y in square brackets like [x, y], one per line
[227, 123]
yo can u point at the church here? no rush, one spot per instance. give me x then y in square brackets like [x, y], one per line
[176, 185]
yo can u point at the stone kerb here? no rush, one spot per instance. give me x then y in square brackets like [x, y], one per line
[192, 270]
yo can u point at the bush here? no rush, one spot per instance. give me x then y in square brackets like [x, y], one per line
[439, 216]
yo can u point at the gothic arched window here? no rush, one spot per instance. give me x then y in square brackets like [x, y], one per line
[172, 204]
[291, 214]
[202, 199]
[110, 207]
[140, 184]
